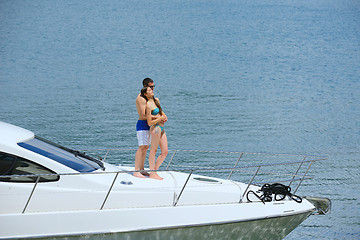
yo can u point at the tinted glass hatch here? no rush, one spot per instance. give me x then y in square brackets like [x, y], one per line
[70, 158]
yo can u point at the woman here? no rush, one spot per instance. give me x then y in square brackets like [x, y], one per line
[155, 118]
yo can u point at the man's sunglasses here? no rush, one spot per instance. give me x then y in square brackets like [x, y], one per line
[152, 87]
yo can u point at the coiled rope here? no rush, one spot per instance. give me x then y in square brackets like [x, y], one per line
[279, 190]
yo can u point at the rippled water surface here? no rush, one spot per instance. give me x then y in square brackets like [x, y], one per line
[255, 76]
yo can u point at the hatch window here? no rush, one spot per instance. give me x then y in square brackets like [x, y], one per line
[15, 168]
[68, 157]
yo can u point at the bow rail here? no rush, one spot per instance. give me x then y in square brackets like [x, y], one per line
[293, 167]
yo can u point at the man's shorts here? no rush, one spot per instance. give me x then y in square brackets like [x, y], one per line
[143, 132]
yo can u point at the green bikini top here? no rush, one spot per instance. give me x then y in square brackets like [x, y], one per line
[155, 111]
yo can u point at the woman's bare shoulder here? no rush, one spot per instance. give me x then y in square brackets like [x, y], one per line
[149, 104]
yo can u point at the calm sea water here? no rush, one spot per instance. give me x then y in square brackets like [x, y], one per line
[256, 76]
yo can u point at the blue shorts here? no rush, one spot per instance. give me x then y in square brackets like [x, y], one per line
[143, 133]
[142, 125]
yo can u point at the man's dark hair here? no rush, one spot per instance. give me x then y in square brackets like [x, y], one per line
[146, 82]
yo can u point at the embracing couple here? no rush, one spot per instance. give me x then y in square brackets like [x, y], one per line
[150, 130]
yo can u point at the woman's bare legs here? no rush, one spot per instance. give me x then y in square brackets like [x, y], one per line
[164, 150]
[155, 140]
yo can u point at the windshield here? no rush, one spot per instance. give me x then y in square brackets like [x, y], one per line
[71, 158]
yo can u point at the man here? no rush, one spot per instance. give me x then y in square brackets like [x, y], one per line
[142, 132]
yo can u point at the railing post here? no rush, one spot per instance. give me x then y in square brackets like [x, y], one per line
[177, 200]
[303, 176]
[107, 195]
[297, 171]
[167, 167]
[32, 192]
[247, 187]
[106, 155]
[232, 170]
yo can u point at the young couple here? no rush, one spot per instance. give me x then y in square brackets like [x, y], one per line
[150, 127]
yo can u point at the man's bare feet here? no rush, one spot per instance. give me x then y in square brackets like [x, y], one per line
[139, 175]
[154, 175]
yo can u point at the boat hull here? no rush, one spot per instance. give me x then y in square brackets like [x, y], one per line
[244, 221]
[271, 228]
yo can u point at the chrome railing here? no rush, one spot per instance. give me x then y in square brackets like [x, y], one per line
[301, 161]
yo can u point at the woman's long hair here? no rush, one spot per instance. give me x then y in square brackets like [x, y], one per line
[142, 94]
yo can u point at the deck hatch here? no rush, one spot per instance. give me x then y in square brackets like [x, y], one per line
[207, 180]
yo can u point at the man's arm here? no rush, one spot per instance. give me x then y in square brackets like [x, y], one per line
[150, 118]
[165, 119]
[141, 107]
[141, 104]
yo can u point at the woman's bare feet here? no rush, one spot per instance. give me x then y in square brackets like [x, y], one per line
[154, 175]
[138, 174]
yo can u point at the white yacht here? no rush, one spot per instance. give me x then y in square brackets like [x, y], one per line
[47, 190]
